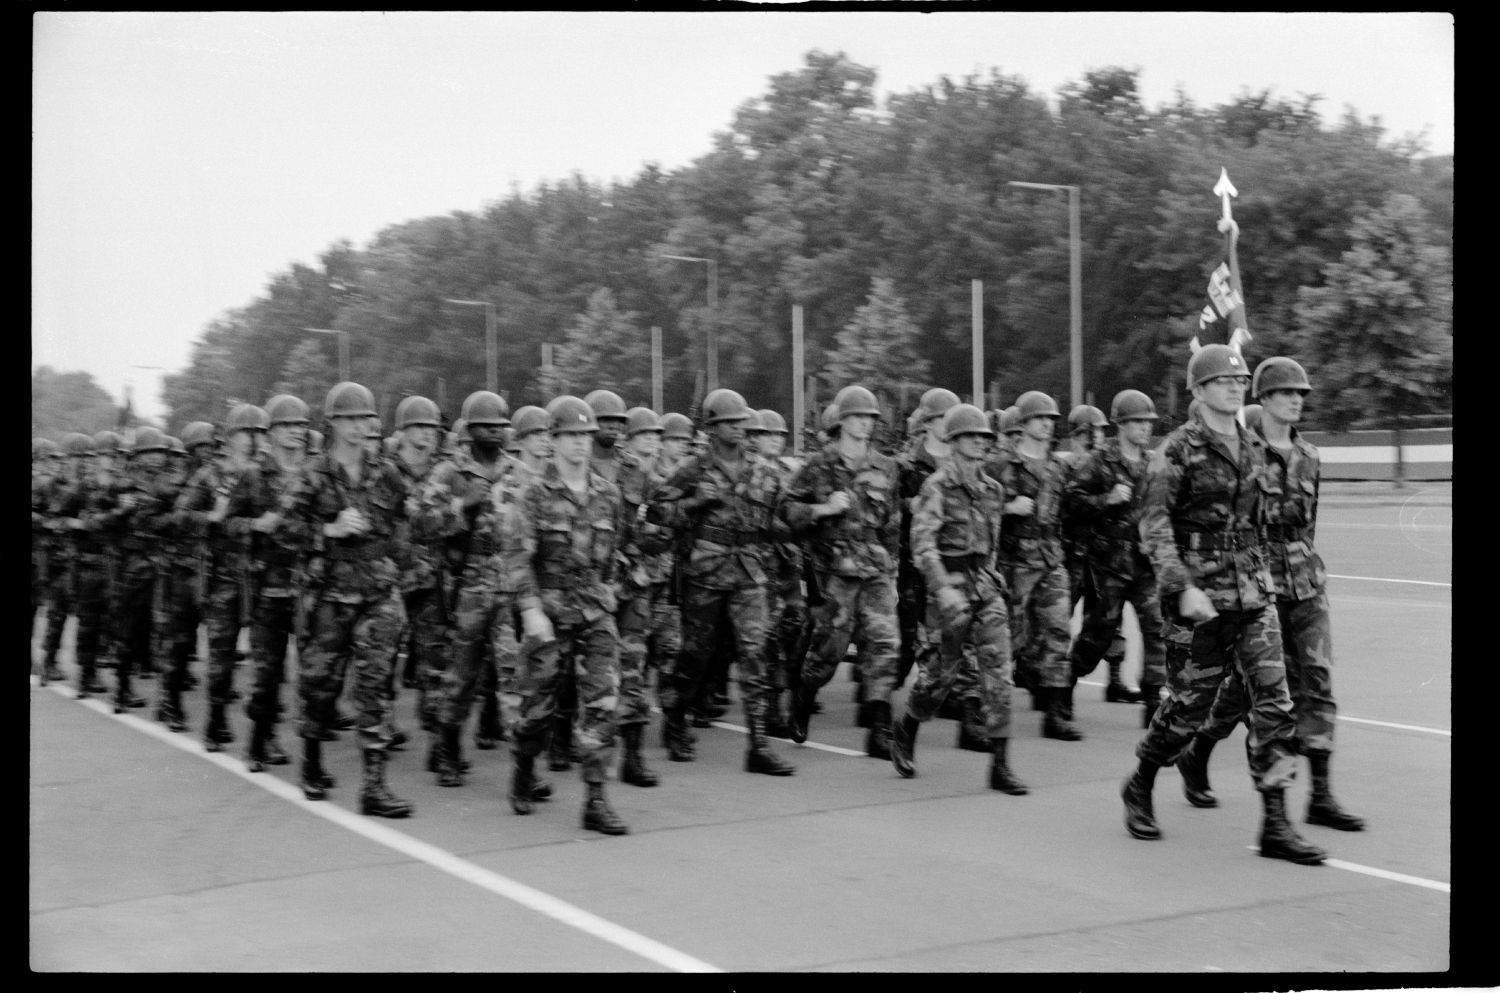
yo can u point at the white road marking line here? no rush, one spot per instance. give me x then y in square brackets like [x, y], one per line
[835, 749]
[1403, 727]
[434, 856]
[1368, 870]
[1378, 579]
[1384, 527]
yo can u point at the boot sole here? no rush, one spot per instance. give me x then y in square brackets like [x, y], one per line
[1336, 825]
[1298, 859]
[1201, 801]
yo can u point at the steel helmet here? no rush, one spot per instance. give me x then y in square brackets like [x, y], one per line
[772, 423]
[175, 444]
[1035, 403]
[607, 404]
[853, 400]
[965, 418]
[639, 419]
[77, 443]
[247, 417]
[107, 443]
[484, 407]
[1132, 405]
[1252, 415]
[197, 433]
[1279, 373]
[829, 421]
[42, 448]
[461, 430]
[752, 423]
[529, 420]
[349, 400]
[724, 405]
[676, 426]
[1085, 418]
[148, 439]
[1212, 361]
[571, 415]
[1010, 420]
[286, 409]
[417, 412]
[935, 403]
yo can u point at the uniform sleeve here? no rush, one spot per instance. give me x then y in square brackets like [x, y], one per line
[926, 522]
[891, 530]
[196, 499]
[1086, 488]
[518, 549]
[1163, 481]
[240, 520]
[297, 524]
[665, 507]
[798, 497]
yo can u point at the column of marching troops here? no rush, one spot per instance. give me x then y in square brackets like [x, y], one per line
[565, 568]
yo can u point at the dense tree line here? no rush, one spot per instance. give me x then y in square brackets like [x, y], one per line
[875, 220]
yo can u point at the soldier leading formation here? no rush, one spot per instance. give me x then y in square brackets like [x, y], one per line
[569, 569]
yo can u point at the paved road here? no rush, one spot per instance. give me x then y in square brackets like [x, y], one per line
[147, 853]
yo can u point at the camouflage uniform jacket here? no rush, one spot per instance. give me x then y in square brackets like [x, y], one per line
[471, 539]
[257, 492]
[645, 548]
[915, 465]
[1033, 541]
[1112, 531]
[784, 560]
[81, 500]
[955, 525]
[1075, 530]
[419, 560]
[136, 513]
[865, 540]
[353, 568]
[558, 548]
[227, 547]
[1289, 511]
[726, 543]
[1201, 514]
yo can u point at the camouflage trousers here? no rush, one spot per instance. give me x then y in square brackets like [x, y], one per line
[1081, 586]
[787, 637]
[427, 639]
[860, 610]
[175, 622]
[1103, 608]
[705, 612]
[363, 633]
[483, 636]
[132, 610]
[1240, 645]
[1040, 617]
[919, 646]
[272, 624]
[224, 618]
[650, 633]
[1307, 647]
[90, 603]
[588, 652]
[978, 637]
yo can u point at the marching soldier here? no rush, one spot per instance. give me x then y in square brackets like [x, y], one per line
[786, 641]
[558, 552]
[77, 512]
[1290, 512]
[187, 576]
[344, 510]
[1105, 491]
[49, 479]
[726, 503]
[1199, 525]
[676, 440]
[1031, 553]
[847, 496]
[955, 539]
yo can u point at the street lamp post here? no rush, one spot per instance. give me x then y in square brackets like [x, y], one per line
[712, 338]
[343, 349]
[1075, 281]
[491, 375]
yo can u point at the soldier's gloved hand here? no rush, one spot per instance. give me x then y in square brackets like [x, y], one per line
[221, 508]
[1021, 506]
[1195, 605]
[952, 604]
[1119, 494]
[707, 495]
[266, 522]
[837, 503]
[536, 625]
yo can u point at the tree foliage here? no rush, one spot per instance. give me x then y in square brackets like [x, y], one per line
[69, 401]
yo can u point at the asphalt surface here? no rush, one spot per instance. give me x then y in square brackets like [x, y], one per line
[149, 854]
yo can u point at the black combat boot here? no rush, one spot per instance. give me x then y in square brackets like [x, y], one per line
[560, 744]
[435, 753]
[1056, 724]
[522, 783]
[1001, 778]
[124, 698]
[169, 710]
[776, 722]
[275, 754]
[759, 757]
[1140, 818]
[597, 814]
[802, 711]
[878, 740]
[374, 798]
[449, 772]
[487, 733]
[217, 734]
[255, 754]
[633, 768]
[1150, 701]
[1278, 839]
[315, 782]
[1116, 691]
[904, 745]
[88, 680]
[971, 727]
[1192, 765]
[678, 737]
[1322, 808]
[862, 715]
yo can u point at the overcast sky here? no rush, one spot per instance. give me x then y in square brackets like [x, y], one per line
[181, 159]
